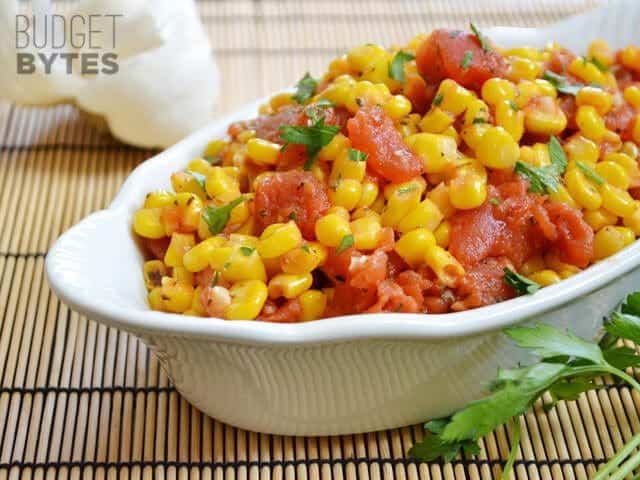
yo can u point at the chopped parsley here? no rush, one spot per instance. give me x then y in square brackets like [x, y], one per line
[494, 201]
[513, 105]
[247, 251]
[484, 42]
[357, 155]
[292, 216]
[306, 248]
[396, 67]
[590, 173]
[522, 285]
[545, 179]
[599, 65]
[213, 159]
[478, 120]
[198, 177]
[314, 137]
[467, 58]
[437, 100]
[215, 279]
[561, 83]
[346, 242]
[217, 218]
[305, 88]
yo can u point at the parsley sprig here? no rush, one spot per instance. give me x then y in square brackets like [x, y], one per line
[547, 178]
[562, 84]
[522, 285]
[396, 66]
[314, 137]
[305, 88]
[484, 42]
[568, 366]
[217, 218]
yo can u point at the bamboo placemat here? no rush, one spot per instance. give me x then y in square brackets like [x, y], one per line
[78, 399]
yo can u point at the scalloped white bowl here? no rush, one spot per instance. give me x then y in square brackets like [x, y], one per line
[340, 375]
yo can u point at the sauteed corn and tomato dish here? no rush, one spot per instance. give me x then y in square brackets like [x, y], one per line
[442, 176]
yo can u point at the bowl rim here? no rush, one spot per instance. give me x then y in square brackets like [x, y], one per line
[336, 329]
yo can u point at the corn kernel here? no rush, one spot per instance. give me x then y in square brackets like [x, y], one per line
[338, 144]
[597, 219]
[278, 238]
[366, 233]
[153, 271]
[262, 151]
[440, 196]
[526, 91]
[471, 134]
[582, 190]
[633, 221]
[632, 95]
[498, 90]
[412, 246]
[545, 277]
[532, 265]
[591, 124]
[586, 71]
[244, 263]
[331, 229]
[599, 99]
[455, 98]
[346, 193]
[436, 120]
[629, 149]
[467, 191]
[197, 258]
[543, 116]
[313, 304]
[546, 88]
[247, 300]
[180, 244]
[610, 240]
[369, 194]
[477, 112]
[221, 186]
[599, 49]
[617, 201]
[497, 149]
[524, 69]
[158, 199]
[426, 214]
[581, 148]
[303, 259]
[563, 195]
[614, 174]
[402, 200]
[346, 169]
[214, 147]
[147, 223]
[444, 265]
[397, 107]
[635, 130]
[176, 297]
[441, 234]
[437, 151]
[191, 182]
[289, 286]
[512, 120]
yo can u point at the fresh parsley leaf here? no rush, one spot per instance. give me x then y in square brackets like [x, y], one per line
[484, 43]
[346, 242]
[494, 201]
[478, 120]
[631, 304]
[437, 100]
[624, 325]
[357, 155]
[306, 248]
[557, 155]
[433, 447]
[215, 279]
[522, 285]
[292, 216]
[561, 83]
[601, 66]
[247, 251]
[314, 137]
[201, 179]
[315, 111]
[547, 341]
[467, 58]
[213, 159]
[590, 173]
[407, 189]
[621, 357]
[396, 67]
[218, 217]
[513, 105]
[305, 88]
[547, 178]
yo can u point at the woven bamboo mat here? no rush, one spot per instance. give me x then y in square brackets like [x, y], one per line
[78, 399]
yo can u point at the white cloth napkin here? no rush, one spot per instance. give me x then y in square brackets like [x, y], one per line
[167, 80]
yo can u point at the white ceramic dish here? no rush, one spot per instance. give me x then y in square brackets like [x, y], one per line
[340, 375]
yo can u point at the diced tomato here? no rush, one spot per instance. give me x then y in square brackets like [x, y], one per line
[413, 284]
[419, 93]
[373, 132]
[290, 311]
[367, 272]
[291, 195]
[619, 119]
[484, 285]
[569, 107]
[560, 60]
[392, 298]
[444, 55]
[574, 241]
[157, 248]
[347, 300]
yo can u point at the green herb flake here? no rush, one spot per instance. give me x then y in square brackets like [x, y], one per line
[599, 65]
[305, 88]
[437, 100]
[247, 251]
[292, 216]
[590, 173]
[467, 58]
[306, 248]
[513, 105]
[547, 178]
[484, 42]
[478, 120]
[561, 83]
[522, 285]
[213, 159]
[396, 67]
[215, 279]
[407, 189]
[217, 218]
[314, 137]
[357, 155]
[198, 177]
[346, 242]
[494, 201]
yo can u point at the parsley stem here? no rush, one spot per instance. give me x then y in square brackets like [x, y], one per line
[627, 467]
[613, 463]
[516, 432]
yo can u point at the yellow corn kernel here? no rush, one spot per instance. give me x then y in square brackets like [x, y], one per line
[543, 116]
[586, 71]
[415, 186]
[337, 144]
[289, 286]
[581, 148]
[442, 234]
[467, 191]
[426, 215]
[219, 257]
[599, 99]
[346, 169]
[452, 133]
[444, 265]
[175, 297]
[633, 221]
[280, 100]
[153, 271]
[512, 120]
[366, 93]
[455, 98]
[610, 240]
[545, 277]
[471, 134]
[437, 151]
[199, 165]
[346, 193]
[591, 124]
[525, 52]
[563, 195]
[546, 88]
[338, 66]
[340, 211]
[361, 57]
[440, 196]
[597, 219]
[180, 244]
[331, 229]
[155, 299]
[245, 136]
[303, 259]
[498, 90]
[497, 149]
[244, 263]
[600, 50]
[629, 149]
[397, 107]
[369, 194]
[278, 238]
[221, 186]
[632, 95]
[401, 201]
[197, 258]
[183, 275]
[524, 69]
[262, 151]
[214, 147]
[583, 191]
[243, 240]
[617, 201]
[614, 174]
[191, 182]
[362, 212]
[627, 162]
[526, 90]
[197, 308]
[366, 232]
[190, 206]
[635, 131]
[412, 246]
[247, 300]
[532, 265]
[147, 222]
[312, 303]
[477, 112]
[158, 199]
[436, 120]
[630, 57]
